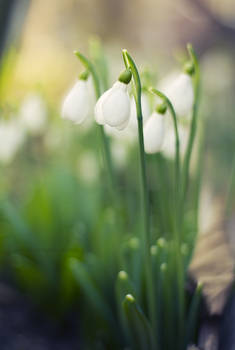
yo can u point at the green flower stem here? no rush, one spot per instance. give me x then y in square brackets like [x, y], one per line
[177, 141]
[89, 66]
[98, 57]
[193, 315]
[129, 62]
[187, 158]
[178, 263]
[193, 127]
[106, 149]
[198, 177]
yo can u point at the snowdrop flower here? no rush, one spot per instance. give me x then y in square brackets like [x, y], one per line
[33, 114]
[78, 104]
[168, 148]
[154, 130]
[113, 107]
[133, 124]
[11, 138]
[178, 88]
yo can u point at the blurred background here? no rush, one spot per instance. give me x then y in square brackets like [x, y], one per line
[41, 36]
[44, 159]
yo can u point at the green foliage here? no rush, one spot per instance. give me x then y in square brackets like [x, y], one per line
[68, 240]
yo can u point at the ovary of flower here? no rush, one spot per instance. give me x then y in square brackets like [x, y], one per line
[33, 114]
[154, 130]
[113, 107]
[178, 88]
[145, 111]
[77, 104]
[11, 138]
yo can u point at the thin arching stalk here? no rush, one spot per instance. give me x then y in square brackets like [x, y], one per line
[129, 62]
[106, 149]
[177, 141]
[193, 127]
[177, 237]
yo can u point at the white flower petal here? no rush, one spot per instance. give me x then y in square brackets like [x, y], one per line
[98, 108]
[113, 107]
[11, 138]
[76, 106]
[168, 148]
[154, 133]
[179, 89]
[123, 126]
[33, 114]
[92, 96]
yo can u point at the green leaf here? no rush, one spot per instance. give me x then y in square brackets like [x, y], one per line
[122, 288]
[90, 290]
[139, 329]
[29, 275]
[193, 314]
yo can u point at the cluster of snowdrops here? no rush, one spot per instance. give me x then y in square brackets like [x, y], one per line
[115, 109]
[151, 301]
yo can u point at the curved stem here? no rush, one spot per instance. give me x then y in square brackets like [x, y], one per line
[129, 62]
[177, 141]
[193, 127]
[106, 149]
[125, 59]
[178, 259]
[89, 66]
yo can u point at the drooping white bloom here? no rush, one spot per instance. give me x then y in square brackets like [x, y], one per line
[178, 88]
[113, 107]
[11, 138]
[154, 130]
[99, 117]
[145, 111]
[78, 104]
[91, 91]
[33, 114]
[168, 148]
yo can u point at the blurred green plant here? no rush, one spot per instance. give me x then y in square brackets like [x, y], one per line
[136, 298]
[121, 254]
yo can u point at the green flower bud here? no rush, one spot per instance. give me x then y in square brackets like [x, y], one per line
[161, 242]
[153, 250]
[134, 243]
[130, 298]
[125, 76]
[189, 68]
[163, 267]
[84, 75]
[161, 109]
[122, 275]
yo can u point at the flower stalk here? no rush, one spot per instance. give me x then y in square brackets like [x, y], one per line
[177, 142]
[193, 127]
[129, 63]
[106, 149]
